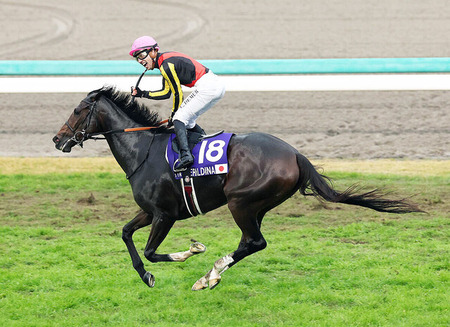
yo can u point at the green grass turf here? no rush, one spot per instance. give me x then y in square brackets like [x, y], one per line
[63, 263]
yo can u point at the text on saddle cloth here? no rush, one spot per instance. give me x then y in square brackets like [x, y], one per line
[210, 156]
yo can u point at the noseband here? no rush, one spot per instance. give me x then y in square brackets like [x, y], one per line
[80, 136]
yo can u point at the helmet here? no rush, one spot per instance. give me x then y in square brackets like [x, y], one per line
[143, 42]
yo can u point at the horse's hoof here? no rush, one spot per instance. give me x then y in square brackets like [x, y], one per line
[214, 282]
[197, 247]
[199, 285]
[149, 279]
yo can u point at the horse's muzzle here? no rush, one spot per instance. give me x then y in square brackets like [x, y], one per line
[57, 142]
[61, 146]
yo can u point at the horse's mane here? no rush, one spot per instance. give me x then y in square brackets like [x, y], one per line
[138, 112]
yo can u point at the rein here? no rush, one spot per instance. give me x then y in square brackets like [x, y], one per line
[92, 136]
[80, 136]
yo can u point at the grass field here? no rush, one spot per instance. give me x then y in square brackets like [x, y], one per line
[63, 263]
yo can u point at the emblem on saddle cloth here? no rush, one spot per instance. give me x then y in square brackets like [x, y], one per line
[210, 158]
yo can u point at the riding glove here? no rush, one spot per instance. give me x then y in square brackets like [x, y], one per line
[140, 93]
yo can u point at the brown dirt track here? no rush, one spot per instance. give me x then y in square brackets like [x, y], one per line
[363, 125]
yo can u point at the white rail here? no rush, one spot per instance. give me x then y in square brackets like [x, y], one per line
[341, 82]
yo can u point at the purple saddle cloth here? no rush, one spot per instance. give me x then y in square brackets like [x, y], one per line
[210, 156]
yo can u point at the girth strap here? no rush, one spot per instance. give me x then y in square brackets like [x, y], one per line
[189, 195]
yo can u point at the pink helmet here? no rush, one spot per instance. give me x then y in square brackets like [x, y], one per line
[143, 42]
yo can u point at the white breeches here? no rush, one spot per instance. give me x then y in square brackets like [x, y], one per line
[208, 90]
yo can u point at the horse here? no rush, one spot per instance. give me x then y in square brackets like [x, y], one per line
[264, 171]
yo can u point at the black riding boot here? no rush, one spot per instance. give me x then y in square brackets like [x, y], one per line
[197, 129]
[186, 158]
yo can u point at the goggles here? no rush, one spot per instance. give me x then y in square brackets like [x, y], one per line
[141, 55]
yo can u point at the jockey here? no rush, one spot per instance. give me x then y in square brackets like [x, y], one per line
[179, 69]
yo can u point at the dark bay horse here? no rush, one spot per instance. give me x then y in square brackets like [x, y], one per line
[264, 171]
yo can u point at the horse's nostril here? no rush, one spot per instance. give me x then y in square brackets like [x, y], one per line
[56, 140]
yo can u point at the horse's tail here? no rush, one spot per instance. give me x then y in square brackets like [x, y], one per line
[313, 183]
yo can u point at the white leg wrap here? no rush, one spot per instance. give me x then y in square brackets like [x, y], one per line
[195, 248]
[213, 276]
[219, 267]
[181, 256]
[222, 264]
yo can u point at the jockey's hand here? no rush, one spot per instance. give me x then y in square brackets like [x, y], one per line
[137, 92]
[170, 120]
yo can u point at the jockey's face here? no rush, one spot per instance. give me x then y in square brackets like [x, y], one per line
[148, 61]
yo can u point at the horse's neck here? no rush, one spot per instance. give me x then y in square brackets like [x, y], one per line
[128, 148]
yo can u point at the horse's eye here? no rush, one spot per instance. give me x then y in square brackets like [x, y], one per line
[78, 110]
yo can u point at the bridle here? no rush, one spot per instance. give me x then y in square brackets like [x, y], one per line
[80, 136]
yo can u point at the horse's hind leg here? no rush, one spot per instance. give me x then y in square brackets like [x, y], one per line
[251, 241]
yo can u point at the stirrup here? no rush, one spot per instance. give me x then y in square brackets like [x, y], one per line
[178, 170]
[183, 167]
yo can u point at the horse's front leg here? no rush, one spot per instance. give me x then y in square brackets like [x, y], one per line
[141, 220]
[161, 226]
[195, 248]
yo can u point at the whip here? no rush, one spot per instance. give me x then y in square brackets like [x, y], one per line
[137, 84]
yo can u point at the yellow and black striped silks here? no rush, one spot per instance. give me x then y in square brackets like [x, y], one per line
[177, 69]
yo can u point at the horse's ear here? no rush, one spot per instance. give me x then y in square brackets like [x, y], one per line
[94, 96]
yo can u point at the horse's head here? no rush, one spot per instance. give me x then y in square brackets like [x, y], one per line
[89, 118]
[81, 123]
